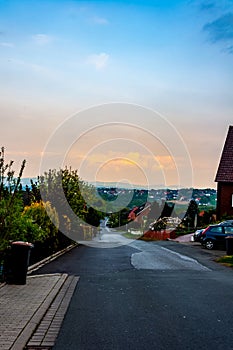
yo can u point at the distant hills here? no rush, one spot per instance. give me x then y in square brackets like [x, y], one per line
[26, 181]
[205, 196]
[123, 185]
[127, 185]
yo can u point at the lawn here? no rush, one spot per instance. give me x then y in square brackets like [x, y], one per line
[226, 260]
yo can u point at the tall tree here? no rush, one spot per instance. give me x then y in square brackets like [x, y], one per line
[74, 199]
[191, 213]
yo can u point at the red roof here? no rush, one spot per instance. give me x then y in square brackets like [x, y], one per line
[225, 168]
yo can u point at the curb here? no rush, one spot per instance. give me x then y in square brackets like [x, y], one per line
[45, 261]
[48, 329]
[50, 258]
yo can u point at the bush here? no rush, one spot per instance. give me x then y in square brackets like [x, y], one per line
[38, 213]
[12, 225]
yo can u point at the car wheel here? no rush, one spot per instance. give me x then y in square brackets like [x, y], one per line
[209, 244]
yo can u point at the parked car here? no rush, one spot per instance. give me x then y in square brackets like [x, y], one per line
[215, 235]
[226, 223]
[197, 235]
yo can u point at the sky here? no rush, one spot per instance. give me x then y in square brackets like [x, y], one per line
[133, 91]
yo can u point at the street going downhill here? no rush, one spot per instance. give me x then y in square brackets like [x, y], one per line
[144, 295]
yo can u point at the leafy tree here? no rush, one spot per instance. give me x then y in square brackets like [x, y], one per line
[191, 213]
[60, 187]
[93, 217]
[64, 186]
[119, 218]
[35, 195]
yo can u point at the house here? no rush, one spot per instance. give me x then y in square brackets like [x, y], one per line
[224, 178]
[137, 213]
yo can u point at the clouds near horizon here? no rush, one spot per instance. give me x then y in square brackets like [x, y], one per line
[173, 56]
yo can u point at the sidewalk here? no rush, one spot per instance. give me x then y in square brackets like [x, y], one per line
[31, 314]
[184, 239]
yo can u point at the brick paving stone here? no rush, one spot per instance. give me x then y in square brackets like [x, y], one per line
[23, 306]
[49, 327]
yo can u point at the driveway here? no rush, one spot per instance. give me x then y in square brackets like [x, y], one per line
[184, 245]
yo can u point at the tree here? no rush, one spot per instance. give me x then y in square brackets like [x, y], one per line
[120, 218]
[191, 213]
[74, 199]
[93, 217]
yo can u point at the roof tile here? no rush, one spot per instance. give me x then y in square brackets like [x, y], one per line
[225, 168]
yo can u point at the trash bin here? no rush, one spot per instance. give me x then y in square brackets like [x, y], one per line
[229, 245]
[18, 262]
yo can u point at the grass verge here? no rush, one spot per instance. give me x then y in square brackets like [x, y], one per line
[226, 260]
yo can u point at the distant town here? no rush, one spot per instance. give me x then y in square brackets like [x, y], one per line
[203, 197]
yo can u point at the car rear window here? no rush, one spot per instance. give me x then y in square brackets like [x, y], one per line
[229, 230]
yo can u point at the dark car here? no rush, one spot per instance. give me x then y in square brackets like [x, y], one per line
[215, 235]
[197, 235]
[226, 223]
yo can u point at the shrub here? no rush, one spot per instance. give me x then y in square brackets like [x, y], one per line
[37, 213]
[12, 225]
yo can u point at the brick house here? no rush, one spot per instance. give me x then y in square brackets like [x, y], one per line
[224, 178]
[138, 213]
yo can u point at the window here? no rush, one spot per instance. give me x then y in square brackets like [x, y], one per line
[216, 229]
[229, 230]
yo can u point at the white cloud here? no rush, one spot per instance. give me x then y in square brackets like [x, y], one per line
[34, 67]
[100, 20]
[6, 44]
[42, 39]
[98, 60]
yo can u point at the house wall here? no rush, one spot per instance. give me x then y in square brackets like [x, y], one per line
[224, 199]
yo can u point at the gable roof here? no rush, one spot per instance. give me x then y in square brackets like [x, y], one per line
[225, 168]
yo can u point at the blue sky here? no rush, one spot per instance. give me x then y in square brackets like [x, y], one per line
[60, 57]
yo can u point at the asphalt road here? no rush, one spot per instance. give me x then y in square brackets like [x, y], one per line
[146, 296]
